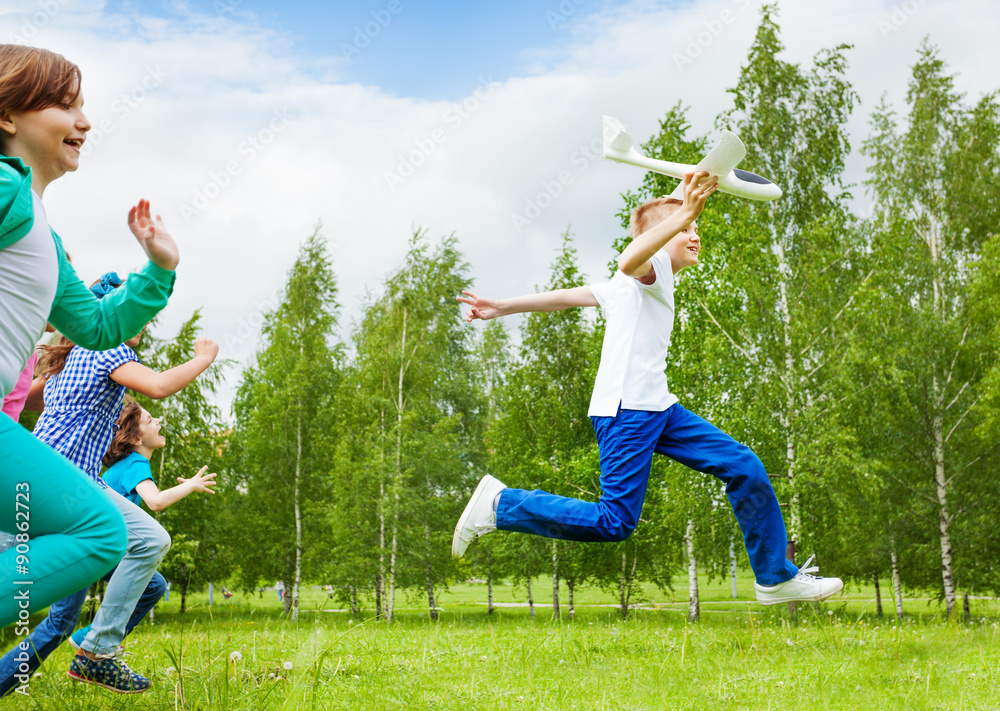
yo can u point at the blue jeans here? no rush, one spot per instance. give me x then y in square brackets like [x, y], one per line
[627, 443]
[62, 619]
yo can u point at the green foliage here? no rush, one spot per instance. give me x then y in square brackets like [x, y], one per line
[287, 429]
[420, 411]
[195, 437]
[927, 337]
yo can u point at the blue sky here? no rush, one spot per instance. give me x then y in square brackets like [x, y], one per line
[202, 84]
[427, 49]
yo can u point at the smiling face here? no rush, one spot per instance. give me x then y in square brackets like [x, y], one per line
[48, 140]
[149, 432]
[684, 248]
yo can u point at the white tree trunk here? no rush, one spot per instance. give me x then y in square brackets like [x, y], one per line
[732, 566]
[896, 587]
[298, 514]
[400, 403]
[937, 433]
[694, 607]
[531, 598]
[555, 579]
[380, 582]
[489, 587]
[787, 415]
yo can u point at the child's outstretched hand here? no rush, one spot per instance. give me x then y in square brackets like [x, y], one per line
[153, 237]
[484, 309]
[206, 348]
[200, 481]
[698, 186]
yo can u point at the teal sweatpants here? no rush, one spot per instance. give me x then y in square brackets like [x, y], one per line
[76, 534]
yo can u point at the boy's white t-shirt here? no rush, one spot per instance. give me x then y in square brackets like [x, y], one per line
[639, 320]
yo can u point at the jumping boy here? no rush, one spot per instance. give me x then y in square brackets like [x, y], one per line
[634, 413]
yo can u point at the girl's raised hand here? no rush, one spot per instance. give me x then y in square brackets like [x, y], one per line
[484, 309]
[200, 481]
[153, 237]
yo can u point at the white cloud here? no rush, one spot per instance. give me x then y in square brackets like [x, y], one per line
[210, 118]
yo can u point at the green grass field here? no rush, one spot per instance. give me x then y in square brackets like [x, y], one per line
[837, 655]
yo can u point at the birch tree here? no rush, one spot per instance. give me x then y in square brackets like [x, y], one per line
[934, 183]
[286, 424]
[413, 356]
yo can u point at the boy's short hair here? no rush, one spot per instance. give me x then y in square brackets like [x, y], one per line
[648, 214]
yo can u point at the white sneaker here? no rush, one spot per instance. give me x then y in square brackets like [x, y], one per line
[802, 587]
[479, 518]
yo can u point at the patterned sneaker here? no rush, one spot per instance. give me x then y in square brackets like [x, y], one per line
[800, 588]
[110, 673]
[479, 518]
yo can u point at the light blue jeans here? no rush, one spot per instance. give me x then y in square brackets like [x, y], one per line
[148, 542]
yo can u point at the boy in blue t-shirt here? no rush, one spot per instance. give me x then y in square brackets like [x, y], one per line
[129, 474]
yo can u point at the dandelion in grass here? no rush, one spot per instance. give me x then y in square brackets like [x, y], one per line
[789, 642]
[287, 666]
[235, 656]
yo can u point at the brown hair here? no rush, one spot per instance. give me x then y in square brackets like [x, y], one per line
[32, 79]
[649, 213]
[126, 434]
[53, 355]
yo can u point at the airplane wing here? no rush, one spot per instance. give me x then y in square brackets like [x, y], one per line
[720, 161]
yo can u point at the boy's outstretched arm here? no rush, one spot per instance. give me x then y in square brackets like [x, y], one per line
[158, 500]
[557, 300]
[634, 259]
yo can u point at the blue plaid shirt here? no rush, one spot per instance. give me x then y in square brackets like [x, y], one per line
[82, 404]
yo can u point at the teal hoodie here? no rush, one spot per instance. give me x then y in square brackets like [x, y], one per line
[95, 324]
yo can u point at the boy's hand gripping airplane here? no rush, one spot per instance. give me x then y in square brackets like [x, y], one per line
[721, 162]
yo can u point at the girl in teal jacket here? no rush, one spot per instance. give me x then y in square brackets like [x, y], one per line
[68, 534]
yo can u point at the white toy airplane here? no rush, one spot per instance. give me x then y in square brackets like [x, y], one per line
[721, 161]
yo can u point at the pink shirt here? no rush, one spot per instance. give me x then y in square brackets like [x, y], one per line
[14, 403]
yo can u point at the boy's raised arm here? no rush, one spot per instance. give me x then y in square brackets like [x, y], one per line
[557, 300]
[634, 259]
